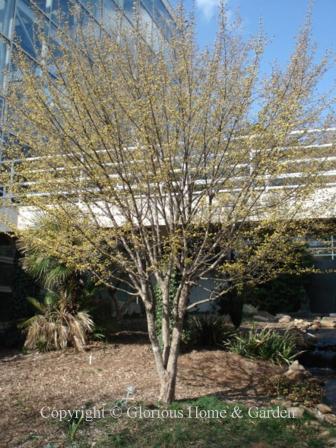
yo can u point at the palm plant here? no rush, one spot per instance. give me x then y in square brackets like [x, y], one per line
[52, 274]
[54, 327]
[59, 322]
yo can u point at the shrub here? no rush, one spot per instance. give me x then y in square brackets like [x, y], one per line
[205, 330]
[264, 344]
[285, 293]
[54, 327]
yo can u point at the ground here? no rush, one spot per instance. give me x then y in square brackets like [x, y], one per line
[101, 375]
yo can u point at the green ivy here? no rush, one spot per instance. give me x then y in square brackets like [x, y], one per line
[174, 283]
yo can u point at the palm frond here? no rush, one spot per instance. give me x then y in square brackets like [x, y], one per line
[40, 307]
[56, 329]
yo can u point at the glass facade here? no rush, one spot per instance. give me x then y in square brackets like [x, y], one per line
[21, 22]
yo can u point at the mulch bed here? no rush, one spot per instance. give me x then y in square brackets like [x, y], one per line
[100, 375]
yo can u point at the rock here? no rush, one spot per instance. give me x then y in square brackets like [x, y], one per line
[328, 322]
[301, 324]
[287, 404]
[249, 310]
[295, 412]
[315, 327]
[330, 418]
[324, 433]
[298, 321]
[314, 423]
[264, 316]
[325, 409]
[317, 323]
[284, 319]
[320, 417]
[331, 442]
[313, 413]
[296, 371]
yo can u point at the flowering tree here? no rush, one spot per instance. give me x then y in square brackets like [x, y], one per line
[166, 163]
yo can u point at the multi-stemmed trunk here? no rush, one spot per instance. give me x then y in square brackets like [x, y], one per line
[166, 357]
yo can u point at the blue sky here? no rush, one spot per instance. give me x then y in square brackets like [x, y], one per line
[281, 21]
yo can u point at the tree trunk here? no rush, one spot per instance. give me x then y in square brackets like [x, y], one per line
[166, 360]
[168, 380]
[165, 324]
[167, 387]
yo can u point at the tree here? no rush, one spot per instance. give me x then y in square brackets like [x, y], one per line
[166, 161]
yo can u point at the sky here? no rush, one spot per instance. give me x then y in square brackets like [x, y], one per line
[281, 20]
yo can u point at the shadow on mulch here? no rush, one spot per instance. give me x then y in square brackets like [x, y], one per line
[128, 337]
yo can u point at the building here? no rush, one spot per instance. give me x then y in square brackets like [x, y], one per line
[20, 24]
[19, 19]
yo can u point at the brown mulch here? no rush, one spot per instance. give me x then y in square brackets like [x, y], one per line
[69, 380]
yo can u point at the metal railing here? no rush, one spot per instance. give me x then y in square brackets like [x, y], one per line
[323, 247]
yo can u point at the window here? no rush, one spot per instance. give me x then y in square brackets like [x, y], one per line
[148, 4]
[26, 29]
[42, 4]
[6, 16]
[3, 62]
[162, 17]
[94, 7]
[146, 23]
[111, 16]
[59, 10]
[128, 8]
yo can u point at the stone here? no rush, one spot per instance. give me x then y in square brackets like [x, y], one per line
[315, 327]
[314, 424]
[295, 412]
[330, 418]
[249, 310]
[284, 319]
[295, 375]
[287, 404]
[320, 417]
[264, 316]
[301, 324]
[317, 322]
[331, 442]
[298, 321]
[324, 433]
[325, 409]
[316, 414]
[328, 324]
[296, 366]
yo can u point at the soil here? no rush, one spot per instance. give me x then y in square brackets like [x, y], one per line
[100, 375]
